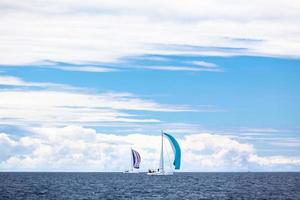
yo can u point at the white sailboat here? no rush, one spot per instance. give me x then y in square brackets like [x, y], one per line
[177, 156]
[135, 162]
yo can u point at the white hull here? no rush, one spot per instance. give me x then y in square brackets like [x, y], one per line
[130, 172]
[159, 173]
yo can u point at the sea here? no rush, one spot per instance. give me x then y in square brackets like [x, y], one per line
[64, 185]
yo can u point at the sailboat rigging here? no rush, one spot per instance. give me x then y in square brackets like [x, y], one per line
[135, 162]
[177, 156]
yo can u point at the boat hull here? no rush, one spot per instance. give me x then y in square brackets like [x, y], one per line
[130, 172]
[159, 173]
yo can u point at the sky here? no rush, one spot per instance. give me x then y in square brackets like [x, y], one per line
[81, 82]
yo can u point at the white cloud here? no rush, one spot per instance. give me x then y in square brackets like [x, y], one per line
[67, 107]
[39, 103]
[15, 81]
[86, 69]
[287, 142]
[19, 84]
[276, 161]
[182, 68]
[227, 9]
[205, 64]
[74, 148]
[102, 31]
[261, 130]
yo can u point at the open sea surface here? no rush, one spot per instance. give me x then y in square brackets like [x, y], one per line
[61, 185]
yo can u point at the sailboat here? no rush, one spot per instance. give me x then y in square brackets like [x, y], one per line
[177, 156]
[135, 162]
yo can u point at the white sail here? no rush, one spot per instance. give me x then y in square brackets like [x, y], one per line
[135, 162]
[177, 156]
[161, 164]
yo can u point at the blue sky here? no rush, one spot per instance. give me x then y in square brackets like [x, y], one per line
[247, 92]
[92, 72]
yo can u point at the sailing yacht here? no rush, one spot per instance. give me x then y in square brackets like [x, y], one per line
[135, 162]
[177, 156]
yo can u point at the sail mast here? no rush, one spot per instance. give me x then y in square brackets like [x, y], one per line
[161, 167]
[131, 164]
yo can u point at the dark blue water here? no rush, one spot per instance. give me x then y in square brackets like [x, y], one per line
[140, 186]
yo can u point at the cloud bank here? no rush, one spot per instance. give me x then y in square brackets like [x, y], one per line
[54, 107]
[102, 31]
[74, 148]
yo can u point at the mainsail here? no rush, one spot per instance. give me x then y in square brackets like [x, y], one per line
[177, 156]
[176, 150]
[136, 159]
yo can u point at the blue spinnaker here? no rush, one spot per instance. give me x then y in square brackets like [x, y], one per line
[176, 150]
